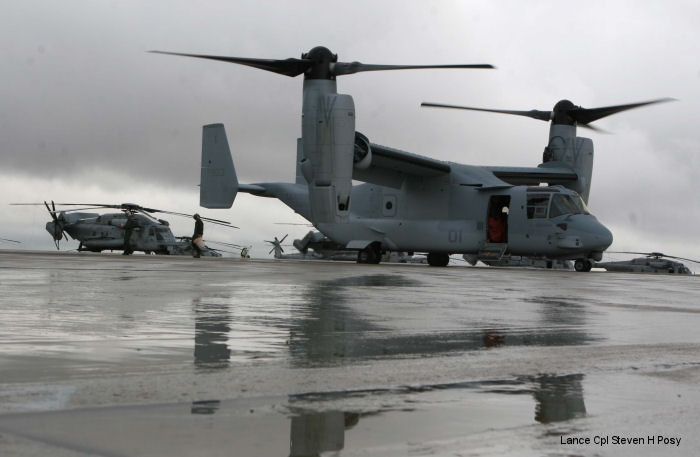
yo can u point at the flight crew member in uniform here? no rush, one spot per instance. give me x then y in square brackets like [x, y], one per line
[197, 242]
[129, 227]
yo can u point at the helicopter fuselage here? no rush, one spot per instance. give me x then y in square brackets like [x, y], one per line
[106, 232]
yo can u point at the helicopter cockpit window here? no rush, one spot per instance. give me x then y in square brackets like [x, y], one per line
[537, 205]
[567, 204]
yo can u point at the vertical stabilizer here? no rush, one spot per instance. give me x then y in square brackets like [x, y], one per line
[219, 184]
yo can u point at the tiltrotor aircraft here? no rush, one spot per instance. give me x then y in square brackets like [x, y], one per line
[652, 262]
[415, 203]
[101, 232]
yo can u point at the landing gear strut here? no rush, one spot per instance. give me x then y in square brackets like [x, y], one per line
[583, 265]
[438, 259]
[370, 254]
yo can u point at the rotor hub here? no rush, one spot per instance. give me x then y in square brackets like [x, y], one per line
[322, 59]
[561, 113]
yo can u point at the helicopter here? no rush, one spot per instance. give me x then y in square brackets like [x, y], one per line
[100, 232]
[652, 262]
[415, 203]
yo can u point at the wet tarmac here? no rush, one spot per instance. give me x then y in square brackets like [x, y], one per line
[144, 355]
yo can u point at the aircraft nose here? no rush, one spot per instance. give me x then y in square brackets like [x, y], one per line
[604, 237]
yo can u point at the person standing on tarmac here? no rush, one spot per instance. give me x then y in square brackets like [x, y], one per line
[129, 227]
[197, 242]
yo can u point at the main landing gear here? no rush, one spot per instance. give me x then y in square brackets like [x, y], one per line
[370, 254]
[438, 259]
[583, 265]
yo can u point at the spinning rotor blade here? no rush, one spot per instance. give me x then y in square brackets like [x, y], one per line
[348, 68]
[588, 115]
[288, 67]
[320, 63]
[535, 114]
[564, 112]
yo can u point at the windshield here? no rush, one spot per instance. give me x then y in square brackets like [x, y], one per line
[567, 204]
[537, 205]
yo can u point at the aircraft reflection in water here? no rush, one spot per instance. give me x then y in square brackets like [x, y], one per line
[211, 334]
[330, 331]
[324, 329]
[312, 432]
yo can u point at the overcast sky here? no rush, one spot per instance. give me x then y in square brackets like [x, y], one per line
[88, 115]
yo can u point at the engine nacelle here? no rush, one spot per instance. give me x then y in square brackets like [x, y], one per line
[362, 157]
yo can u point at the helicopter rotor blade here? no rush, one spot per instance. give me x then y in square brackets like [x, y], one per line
[52, 213]
[582, 116]
[534, 114]
[585, 116]
[287, 67]
[683, 258]
[11, 241]
[348, 68]
[284, 238]
[295, 67]
[273, 248]
[654, 254]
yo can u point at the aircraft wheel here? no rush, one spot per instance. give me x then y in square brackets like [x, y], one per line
[583, 265]
[438, 259]
[370, 254]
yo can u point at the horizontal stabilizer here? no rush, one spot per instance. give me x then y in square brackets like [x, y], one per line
[219, 184]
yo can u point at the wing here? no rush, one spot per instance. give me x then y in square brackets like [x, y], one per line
[533, 176]
[390, 167]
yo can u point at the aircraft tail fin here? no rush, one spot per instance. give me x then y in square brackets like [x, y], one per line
[219, 185]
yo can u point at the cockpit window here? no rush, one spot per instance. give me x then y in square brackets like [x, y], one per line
[567, 204]
[537, 205]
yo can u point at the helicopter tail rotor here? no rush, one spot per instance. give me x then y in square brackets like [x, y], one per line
[277, 246]
[55, 227]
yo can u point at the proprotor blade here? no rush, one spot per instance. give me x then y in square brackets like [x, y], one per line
[534, 114]
[288, 67]
[348, 68]
[588, 115]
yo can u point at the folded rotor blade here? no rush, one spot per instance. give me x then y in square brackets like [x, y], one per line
[534, 114]
[348, 68]
[288, 67]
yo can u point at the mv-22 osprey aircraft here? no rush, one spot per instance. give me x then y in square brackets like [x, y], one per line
[414, 203]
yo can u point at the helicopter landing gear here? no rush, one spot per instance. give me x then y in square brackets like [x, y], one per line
[438, 259]
[583, 265]
[370, 254]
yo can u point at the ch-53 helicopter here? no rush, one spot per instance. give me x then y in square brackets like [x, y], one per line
[415, 203]
[652, 262]
[101, 232]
